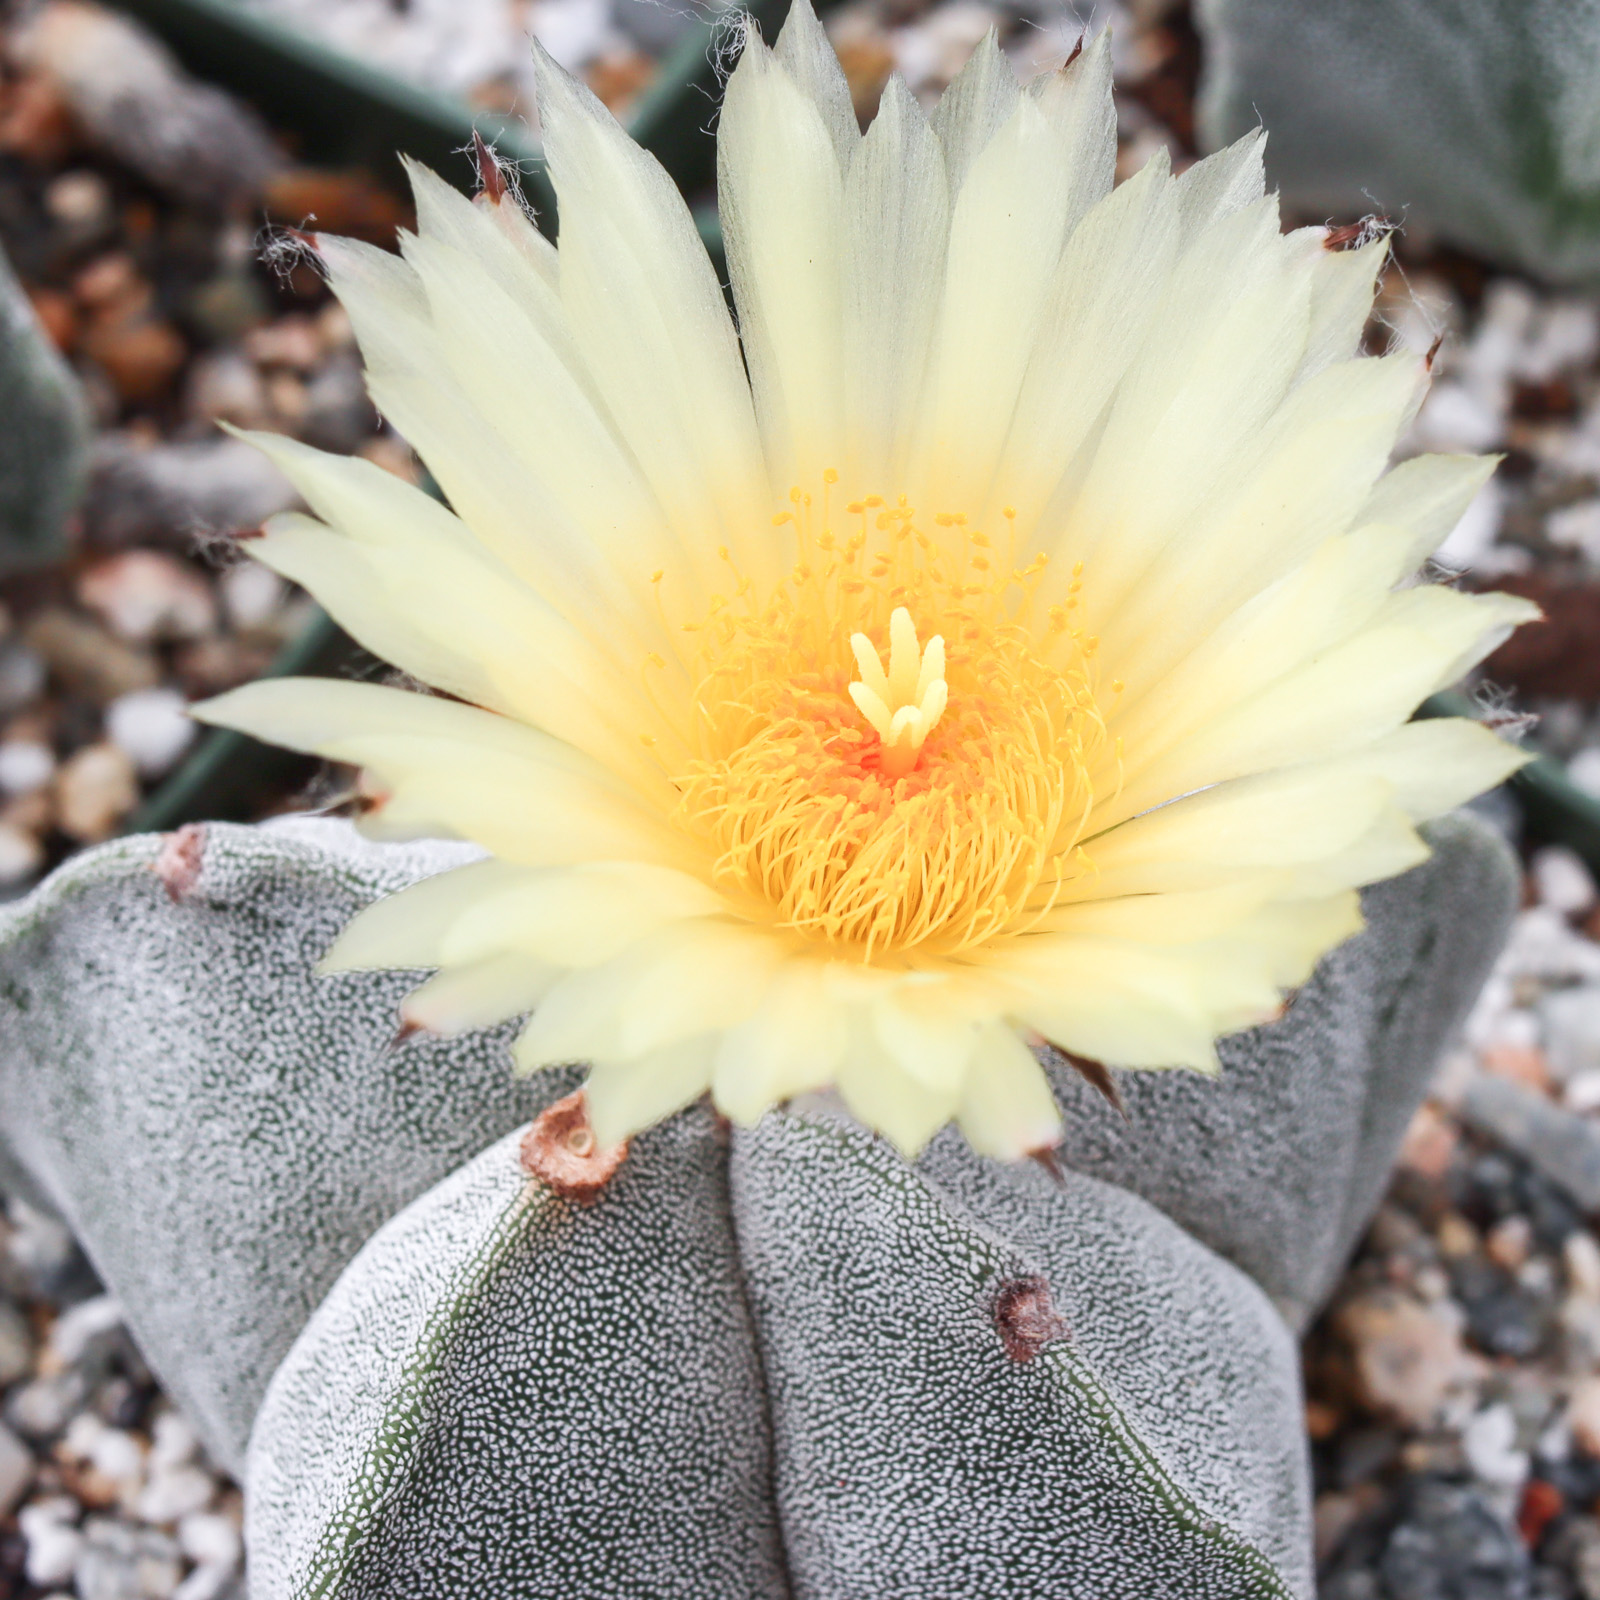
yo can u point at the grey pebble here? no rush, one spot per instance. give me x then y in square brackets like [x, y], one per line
[1562, 1146]
[1451, 1544]
[16, 1470]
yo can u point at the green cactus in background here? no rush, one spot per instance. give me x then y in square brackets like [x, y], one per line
[44, 434]
[777, 1362]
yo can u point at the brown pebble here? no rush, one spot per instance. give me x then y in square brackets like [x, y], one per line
[1430, 1143]
[57, 315]
[1322, 1420]
[86, 660]
[1404, 1357]
[560, 1150]
[1524, 1064]
[1583, 1412]
[95, 789]
[140, 355]
[1026, 1319]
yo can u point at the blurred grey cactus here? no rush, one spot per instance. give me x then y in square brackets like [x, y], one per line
[44, 434]
[769, 1362]
[1478, 119]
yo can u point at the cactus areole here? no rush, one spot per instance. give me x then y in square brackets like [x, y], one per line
[1008, 634]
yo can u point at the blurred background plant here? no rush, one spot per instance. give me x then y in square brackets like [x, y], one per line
[1454, 1383]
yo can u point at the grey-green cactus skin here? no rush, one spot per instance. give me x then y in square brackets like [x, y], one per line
[225, 1131]
[221, 1128]
[1476, 118]
[44, 435]
[767, 1364]
[1279, 1163]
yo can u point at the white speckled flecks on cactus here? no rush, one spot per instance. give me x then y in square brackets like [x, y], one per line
[715, 1319]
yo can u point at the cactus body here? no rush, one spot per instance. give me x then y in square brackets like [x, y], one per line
[775, 1369]
[775, 1361]
[1475, 118]
[44, 435]
[222, 1129]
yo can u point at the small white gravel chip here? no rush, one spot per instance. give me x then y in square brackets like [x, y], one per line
[151, 728]
[210, 1539]
[1489, 1444]
[25, 765]
[21, 855]
[1562, 879]
[173, 1441]
[53, 1543]
[1584, 770]
[252, 594]
[77, 1329]
[173, 1492]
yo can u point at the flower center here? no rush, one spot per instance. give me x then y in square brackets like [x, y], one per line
[930, 798]
[905, 703]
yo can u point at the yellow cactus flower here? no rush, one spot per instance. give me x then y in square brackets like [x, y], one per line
[1008, 635]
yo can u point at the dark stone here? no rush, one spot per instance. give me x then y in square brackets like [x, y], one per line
[1450, 1544]
[1503, 1318]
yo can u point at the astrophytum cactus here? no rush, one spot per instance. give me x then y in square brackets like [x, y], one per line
[780, 1361]
[1474, 118]
[44, 434]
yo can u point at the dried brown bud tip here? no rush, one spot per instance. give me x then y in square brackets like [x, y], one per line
[1077, 50]
[1026, 1319]
[178, 862]
[1353, 235]
[491, 180]
[1433, 351]
[561, 1151]
[1098, 1076]
[406, 1032]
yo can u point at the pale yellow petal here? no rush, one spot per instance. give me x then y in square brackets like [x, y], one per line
[454, 771]
[699, 977]
[1007, 1109]
[625, 1097]
[648, 317]
[476, 995]
[781, 194]
[792, 1042]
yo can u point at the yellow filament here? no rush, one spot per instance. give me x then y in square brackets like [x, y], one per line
[877, 794]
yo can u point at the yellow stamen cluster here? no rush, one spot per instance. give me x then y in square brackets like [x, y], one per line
[924, 806]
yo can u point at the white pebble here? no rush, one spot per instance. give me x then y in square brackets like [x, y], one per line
[1584, 770]
[151, 727]
[1576, 527]
[1580, 1255]
[1563, 880]
[118, 1455]
[25, 765]
[77, 1329]
[173, 1441]
[53, 1543]
[1571, 1020]
[210, 1539]
[21, 855]
[251, 593]
[1488, 1442]
[1454, 418]
[173, 1492]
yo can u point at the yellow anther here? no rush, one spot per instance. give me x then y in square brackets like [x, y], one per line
[829, 475]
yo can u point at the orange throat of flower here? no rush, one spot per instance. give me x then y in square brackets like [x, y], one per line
[897, 757]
